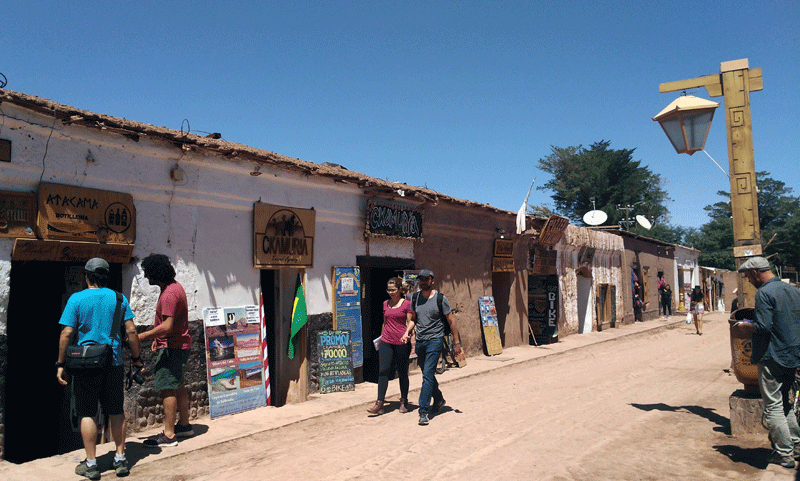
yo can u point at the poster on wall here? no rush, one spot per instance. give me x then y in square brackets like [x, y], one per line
[543, 308]
[335, 362]
[235, 359]
[347, 308]
[489, 325]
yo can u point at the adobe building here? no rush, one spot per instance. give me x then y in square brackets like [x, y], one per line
[238, 224]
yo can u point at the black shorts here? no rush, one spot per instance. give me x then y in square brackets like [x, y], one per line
[104, 385]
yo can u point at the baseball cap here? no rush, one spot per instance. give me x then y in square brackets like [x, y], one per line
[754, 264]
[97, 266]
[426, 273]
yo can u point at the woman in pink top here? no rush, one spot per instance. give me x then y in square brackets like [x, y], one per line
[394, 349]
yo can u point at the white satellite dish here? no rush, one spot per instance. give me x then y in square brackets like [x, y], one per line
[642, 220]
[595, 217]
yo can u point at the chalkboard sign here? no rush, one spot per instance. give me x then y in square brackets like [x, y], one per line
[543, 308]
[347, 308]
[335, 362]
[391, 220]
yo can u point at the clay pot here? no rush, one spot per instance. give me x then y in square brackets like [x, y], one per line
[741, 350]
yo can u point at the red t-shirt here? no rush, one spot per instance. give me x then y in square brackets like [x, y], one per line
[172, 303]
[395, 325]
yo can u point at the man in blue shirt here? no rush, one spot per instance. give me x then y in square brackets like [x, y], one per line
[91, 313]
[776, 350]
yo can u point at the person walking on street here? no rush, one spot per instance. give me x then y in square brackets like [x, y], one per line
[776, 350]
[173, 343]
[394, 348]
[432, 310]
[697, 309]
[666, 300]
[91, 313]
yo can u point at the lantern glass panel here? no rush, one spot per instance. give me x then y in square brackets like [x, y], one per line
[672, 127]
[697, 128]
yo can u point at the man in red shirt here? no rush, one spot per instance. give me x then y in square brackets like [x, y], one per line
[173, 343]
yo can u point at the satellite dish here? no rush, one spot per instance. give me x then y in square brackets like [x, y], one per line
[642, 220]
[595, 217]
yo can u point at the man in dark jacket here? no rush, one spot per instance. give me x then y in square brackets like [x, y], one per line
[776, 350]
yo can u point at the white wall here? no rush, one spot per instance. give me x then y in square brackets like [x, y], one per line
[203, 223]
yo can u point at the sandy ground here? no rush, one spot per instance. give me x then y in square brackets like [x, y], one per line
[649, 406]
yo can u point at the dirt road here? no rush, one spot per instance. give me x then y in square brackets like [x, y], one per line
[646, 407]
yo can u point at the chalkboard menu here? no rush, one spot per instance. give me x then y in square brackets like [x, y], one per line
[393, 220]
[347, 308]
[543, 308]
[335, 362]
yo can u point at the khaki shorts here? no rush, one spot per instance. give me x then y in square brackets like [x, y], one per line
[169, 369]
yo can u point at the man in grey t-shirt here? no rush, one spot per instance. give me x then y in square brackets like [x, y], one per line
[430, 329]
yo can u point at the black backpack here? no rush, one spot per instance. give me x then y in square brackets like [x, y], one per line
[439, 302]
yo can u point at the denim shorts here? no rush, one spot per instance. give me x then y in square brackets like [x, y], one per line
[169, 369]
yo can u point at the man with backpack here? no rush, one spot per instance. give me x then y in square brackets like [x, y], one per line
[91, 313]
[433, 318]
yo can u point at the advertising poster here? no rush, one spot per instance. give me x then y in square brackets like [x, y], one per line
[234, 358]
[543, 308]
[491, 330]
[347, 308]
[335, 362]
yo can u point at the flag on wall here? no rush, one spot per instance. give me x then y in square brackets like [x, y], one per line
[264, 344]
[299, 316]
[523, 211]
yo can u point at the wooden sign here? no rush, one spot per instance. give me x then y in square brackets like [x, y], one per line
[503, 248]
[282, 236]
[553, 230]
[347, 308]
[502, 264]
[78, 214]
[543, 308]
[335, 362]
[393, 220]
[17, 214]
[65, 251]
[489, 325]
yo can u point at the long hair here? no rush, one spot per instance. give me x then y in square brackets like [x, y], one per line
[158, 268]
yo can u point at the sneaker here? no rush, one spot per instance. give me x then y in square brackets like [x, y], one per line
[423, 420]
[785, 461]
[83, 470]
[796, 453]
[437, 406]
[184, 431]
[160, 440]
[121, 468]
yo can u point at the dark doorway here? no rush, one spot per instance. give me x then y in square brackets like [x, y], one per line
[269, 292]
[501, 288]
[375, 273]
[37, 420]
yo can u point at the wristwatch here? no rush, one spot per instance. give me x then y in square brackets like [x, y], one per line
[60, 364]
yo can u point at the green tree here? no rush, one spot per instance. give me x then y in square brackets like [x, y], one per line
[611, 177]
[778, 218]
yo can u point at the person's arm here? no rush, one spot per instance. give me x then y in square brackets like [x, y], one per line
[133, 343]
[409, 327]
[161, 330]
[454, 330]
[63, 342]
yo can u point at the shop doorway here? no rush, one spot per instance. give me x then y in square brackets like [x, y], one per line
[501, 287]
[375, 273]
[269, 292]
[37, 420]
[584, 285]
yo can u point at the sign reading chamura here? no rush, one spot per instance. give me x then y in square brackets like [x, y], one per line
[283, 236]
[393, 220]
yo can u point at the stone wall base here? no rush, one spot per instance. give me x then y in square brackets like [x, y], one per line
[747, 409]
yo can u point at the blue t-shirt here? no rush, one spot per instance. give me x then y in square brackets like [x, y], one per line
[91, 312]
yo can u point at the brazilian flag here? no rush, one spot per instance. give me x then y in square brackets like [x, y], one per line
[299, 316]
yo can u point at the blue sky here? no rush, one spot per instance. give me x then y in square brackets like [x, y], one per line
[462, 97]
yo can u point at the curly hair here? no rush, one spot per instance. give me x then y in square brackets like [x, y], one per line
[158, 268]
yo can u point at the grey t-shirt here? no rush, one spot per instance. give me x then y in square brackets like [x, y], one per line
[430, 323]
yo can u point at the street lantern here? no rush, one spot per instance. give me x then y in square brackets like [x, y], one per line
[686, 122]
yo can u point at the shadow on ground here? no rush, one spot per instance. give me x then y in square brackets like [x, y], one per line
[723, 423]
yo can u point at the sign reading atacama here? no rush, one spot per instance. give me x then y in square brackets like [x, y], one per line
[79, 214]
[283, 236]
